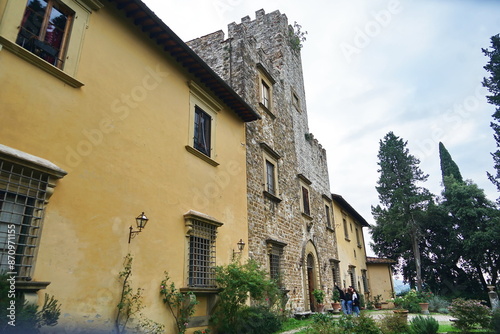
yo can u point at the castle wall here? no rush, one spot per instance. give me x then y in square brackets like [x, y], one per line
[261, 48]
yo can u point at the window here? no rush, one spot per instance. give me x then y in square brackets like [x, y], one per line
[352, 275]
[335, 272]
[270, 178]
[358, 241]
[202, 131]
[202, 124]
[265, 90]
[24, 192]
[265, 95]
[275, 251]
[202, 233]
[305, 201]
[304, 184]
[44, 30]
[364, 277]
[202, 255]
[48, 33]
[328, 216]
[270, 181]
[346, 231]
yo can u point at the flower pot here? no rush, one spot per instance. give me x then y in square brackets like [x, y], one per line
[402, 313]
[336, 307]
[424, 307]
[320, 307]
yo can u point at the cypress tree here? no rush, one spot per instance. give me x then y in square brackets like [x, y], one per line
[448, 166]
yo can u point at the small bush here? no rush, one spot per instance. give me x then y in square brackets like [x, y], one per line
[424, 325]
[324, 324]
[469, 313]
[437, 303]
[256, 320]
[393, 324]
[365, 325]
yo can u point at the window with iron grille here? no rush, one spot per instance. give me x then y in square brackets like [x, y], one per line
[335, 272]
[202, 131]
[44, 30]
[23, 193]
[202, 255]
[352, 275]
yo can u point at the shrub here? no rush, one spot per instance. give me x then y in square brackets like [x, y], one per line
[409, 301]
[237, 282]
[256, 320]
[437, 303]
[393, 324]
[424, 325]
[469, 313]
[365, 325]
[324, 324]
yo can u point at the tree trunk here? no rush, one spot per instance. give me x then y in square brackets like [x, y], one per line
[418, 263]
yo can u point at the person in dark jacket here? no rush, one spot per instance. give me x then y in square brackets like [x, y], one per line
[343, 302]
[355, 302]
[348, 300]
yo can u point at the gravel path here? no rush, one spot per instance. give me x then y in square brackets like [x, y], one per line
[441, 318]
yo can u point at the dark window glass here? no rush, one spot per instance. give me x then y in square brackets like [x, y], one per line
[202, 131]
[44, 30]
[270, 174]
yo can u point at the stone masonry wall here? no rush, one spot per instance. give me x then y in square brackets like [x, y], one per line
[251, 46]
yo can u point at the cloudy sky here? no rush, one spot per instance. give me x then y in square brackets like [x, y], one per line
[413, 67]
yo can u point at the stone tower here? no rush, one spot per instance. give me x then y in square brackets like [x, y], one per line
[289, 200]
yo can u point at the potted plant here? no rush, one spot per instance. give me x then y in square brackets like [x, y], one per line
[376, 301]
[336, 300]
[319, 296]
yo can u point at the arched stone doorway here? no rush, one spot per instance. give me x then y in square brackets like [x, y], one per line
[311, 274]
[310, 280]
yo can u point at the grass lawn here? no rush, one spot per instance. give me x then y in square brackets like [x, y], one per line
[293, 323]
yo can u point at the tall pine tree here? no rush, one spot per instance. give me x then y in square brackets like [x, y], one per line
[475, 226]
[401, 211]
[493, 85]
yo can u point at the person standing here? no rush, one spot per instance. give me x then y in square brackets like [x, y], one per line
[355, 302]
[343, 303]
[348, 300]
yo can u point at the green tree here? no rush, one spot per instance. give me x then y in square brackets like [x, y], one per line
[492, 83]
[448, 166]
[402, 209]
[474, 232]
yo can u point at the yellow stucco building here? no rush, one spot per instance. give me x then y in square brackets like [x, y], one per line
[106, 114]
[370, 276]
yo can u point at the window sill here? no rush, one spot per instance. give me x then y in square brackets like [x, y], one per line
[272, 197]
[31, 285]
[266, 109]
[200, 291]
[40, 63]
[202, 156]
[330, 229]
[347, 239]
[308, 217]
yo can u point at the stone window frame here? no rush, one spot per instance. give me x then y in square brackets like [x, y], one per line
[27, 162]
[335, 267]
[275, 251]
[9, 29]
[191, 218]
[200, 99]
[305, 197]
[266, 82]
[271, 156]
[352, 275]
[329, 218]
[296, 101]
